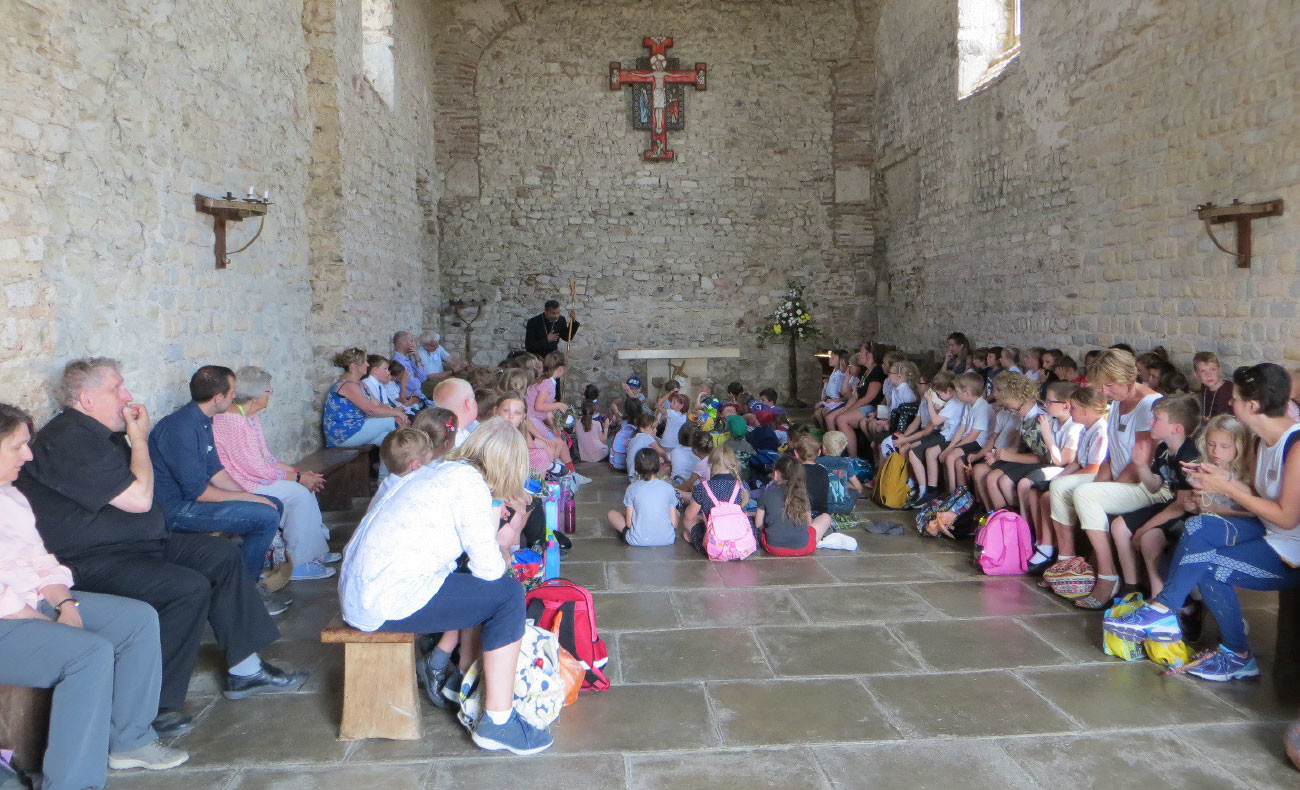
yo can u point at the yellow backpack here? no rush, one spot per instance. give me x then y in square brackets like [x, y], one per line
[1171, 654]
[891, 489]
[1112, 645]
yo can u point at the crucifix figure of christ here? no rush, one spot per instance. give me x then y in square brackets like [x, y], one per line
[659, 77]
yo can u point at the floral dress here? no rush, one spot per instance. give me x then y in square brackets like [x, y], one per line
[341, 418]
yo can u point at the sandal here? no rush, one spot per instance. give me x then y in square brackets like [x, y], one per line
[1095, 603]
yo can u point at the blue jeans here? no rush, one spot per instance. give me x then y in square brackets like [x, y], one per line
[255, 522]
[1218, 554]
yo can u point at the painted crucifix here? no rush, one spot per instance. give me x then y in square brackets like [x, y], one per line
[667, 97]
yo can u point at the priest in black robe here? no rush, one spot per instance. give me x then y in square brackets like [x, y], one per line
[544, 331]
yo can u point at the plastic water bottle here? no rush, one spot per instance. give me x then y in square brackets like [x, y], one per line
[550, 507]
[570, 516]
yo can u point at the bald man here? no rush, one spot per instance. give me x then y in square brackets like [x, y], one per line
[457, 396]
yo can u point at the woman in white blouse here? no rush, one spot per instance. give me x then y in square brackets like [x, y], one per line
[400, 569]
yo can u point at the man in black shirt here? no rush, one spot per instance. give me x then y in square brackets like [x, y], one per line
[91, 487]
[544, 331]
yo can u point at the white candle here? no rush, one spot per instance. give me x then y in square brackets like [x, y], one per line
[251, 193]
[266, 196]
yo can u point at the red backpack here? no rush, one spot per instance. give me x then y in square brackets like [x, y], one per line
[571, 603]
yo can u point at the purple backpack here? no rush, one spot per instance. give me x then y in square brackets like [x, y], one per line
[1006, 542]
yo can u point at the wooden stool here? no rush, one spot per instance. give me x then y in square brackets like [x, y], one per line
[346, 471]
[25, 724]
[1286, 659]
[380, 697]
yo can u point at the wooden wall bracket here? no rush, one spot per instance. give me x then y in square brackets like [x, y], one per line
[1241, 214]
[230, 209]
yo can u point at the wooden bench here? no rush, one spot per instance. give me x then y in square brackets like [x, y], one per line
[380, 696]
[25, 724]
[346, 471]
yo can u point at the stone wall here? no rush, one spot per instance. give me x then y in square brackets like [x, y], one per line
[115, 114]
[374, 256]
[1055, 207]
[692, 252]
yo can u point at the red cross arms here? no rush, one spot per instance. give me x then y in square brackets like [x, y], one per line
[658, 93]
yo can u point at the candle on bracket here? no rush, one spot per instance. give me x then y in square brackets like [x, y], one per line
[251, 193]
[266, 196]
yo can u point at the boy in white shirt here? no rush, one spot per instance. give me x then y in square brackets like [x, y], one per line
[833, 392]
[975, 422]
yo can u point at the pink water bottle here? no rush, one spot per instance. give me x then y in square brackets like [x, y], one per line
[570, 516]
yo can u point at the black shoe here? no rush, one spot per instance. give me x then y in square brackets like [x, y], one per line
[270, 680]
[1037, 568]
[433, 680]
[563, 542]
[172, 724]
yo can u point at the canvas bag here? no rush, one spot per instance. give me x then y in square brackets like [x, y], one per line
[1006, 544]
[566, 608]
[728, 534]
[891, 483]
[539, 687]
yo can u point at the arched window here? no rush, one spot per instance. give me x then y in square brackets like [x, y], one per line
[377, 47]
[988, 40]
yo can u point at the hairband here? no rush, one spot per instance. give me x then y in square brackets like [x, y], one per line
[451, 425]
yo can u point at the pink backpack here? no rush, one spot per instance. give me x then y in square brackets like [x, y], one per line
[1007, 544]
[728, 535]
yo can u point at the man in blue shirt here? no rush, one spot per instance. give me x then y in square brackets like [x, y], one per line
[196, 493]
[404, 352]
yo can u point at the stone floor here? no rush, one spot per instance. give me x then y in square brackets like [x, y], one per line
[897, 666]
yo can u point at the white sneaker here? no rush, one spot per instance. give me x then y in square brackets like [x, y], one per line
[331, 557]
[581, 480]
[152, 757]
[838, 540]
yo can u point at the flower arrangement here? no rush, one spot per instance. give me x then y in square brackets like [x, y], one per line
[792, 319]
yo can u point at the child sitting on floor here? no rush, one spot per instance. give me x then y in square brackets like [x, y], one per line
[845, 486]
[589, 432]
[510, 407]
[674, 414]
[642, 439]
[632, 411]
[702, 447]
[650, 506]
[806, 448]
[784, 520]
[738, 430]
[682, 458]
[725, 484]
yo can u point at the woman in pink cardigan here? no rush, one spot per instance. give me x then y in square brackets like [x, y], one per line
[100, 653]
[241, 445]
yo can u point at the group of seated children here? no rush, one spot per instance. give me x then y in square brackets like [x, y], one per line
[682, 460]
[1133, 460]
